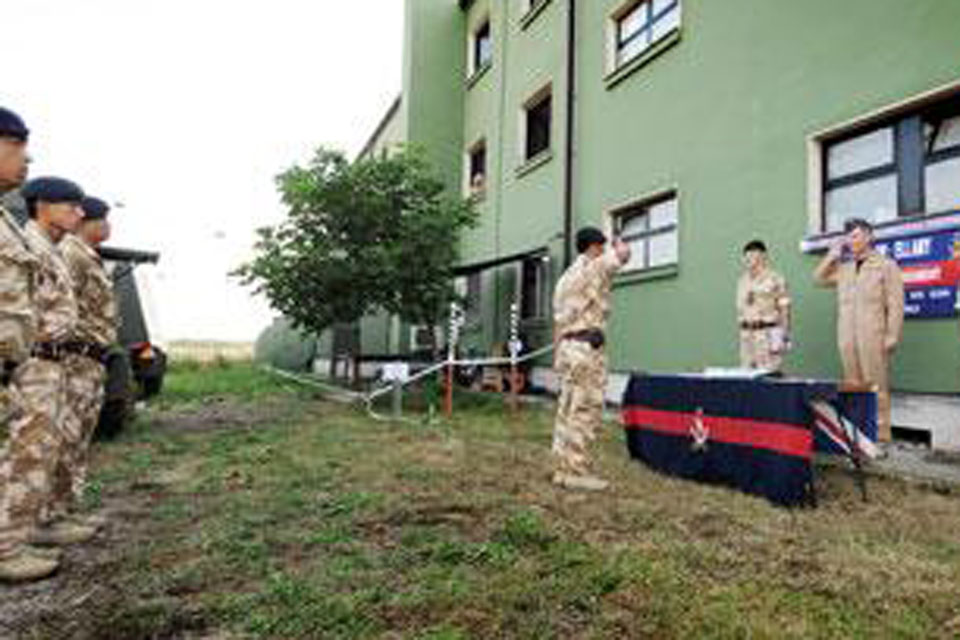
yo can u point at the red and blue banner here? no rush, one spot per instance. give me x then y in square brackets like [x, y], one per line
[758, 436]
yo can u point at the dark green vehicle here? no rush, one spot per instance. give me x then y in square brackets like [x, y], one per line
[135, 366]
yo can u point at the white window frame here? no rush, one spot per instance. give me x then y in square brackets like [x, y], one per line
[469, 190]
[613, 62]
[474, 69]
[641, 207]
[545, 92]
[818, 141]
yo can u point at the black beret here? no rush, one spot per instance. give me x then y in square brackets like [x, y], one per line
[755, 245]
[12, 126]
[94, 208]
[857, 223]
[588, 236]
[52, 190]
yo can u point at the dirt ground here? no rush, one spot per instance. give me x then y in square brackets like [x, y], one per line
[288, 517]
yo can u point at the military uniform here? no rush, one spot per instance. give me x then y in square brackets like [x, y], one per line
[581, 305]
[762, 309]
[96, 330]
[869, 322]
[37, 436]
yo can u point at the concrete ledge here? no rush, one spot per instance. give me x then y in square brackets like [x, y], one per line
[938, 415]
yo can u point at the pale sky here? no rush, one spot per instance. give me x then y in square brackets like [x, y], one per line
[185, 111]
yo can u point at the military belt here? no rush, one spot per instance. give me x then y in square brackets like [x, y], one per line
[594, 337]
[57, 350]
[7, 367]
[757, 326]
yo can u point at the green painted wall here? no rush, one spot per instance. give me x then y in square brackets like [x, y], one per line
[724, 116]
[433, 82]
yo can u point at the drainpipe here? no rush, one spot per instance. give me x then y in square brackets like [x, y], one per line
[568, 152]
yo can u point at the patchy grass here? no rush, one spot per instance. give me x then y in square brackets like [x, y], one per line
[296, 518]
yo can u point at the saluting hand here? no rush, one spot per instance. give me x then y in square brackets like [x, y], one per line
[622, 250]
[836, 250]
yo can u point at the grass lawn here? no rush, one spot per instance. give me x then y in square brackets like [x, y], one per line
[243, 506]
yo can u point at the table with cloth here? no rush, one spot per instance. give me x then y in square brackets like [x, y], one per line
[758, 435]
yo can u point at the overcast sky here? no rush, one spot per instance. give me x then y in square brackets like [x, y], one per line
[185, 110]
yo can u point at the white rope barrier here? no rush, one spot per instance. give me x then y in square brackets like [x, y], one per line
[368, 398]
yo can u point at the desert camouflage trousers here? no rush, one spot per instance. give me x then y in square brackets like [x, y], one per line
[33, 443]
[582, 371]
[84, 396]
[757, 350]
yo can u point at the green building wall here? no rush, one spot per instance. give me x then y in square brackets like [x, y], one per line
[724, 116]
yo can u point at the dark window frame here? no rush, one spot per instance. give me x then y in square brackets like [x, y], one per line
[642, 209]
[911, 156]
[533, 306]
[481, 33]
[538, 139]
[622, 42]
[478, 149]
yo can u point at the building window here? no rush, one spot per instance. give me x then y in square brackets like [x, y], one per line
[477, 169]
[537, 122]
[640, 25]
[468, 288]
[651, 229]
[533, 288]
[481, 50]
[905, 166]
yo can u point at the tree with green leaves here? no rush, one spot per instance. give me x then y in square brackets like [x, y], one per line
[379, 234]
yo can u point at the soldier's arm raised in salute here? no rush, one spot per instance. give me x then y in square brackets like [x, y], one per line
[825, 274]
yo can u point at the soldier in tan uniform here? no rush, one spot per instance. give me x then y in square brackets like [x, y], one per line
[869, 312]
[763, 311]
[37, 438]
[581, 304]
[18, 560]
[96, 331]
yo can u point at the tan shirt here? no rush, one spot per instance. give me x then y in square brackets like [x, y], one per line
[869, 300]
[53, 297]
[582, 297]
[18, 321]
[762, 298]
[93, 289]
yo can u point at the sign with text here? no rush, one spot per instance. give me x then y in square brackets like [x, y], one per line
[931, 271]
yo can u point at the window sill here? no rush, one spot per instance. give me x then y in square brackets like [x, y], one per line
[534, 163]
[628, 68]
[645, 275]
[477, 196]
[532, 13]
[477, 75]
[535, 323]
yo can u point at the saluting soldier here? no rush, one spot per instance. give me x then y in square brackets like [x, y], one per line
[53, 206]
[581, 304]
[869, 312]
[96, 330]
[763, 311]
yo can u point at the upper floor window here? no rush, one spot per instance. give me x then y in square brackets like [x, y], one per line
[651, 228]
[482, 48]
[537, 124]
[477, 169]
[640, 25]
[904, 166]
